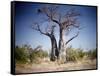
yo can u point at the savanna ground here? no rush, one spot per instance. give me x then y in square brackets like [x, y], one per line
[48, 66]
[37, 60]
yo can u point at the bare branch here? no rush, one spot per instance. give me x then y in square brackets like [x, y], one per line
[55, 21]
[70, 22]
[36, 27]
[59, 17]
[52, 31]
[50, 12]
[49, 31]
[72, 38]
[70, 19]
[37, 48]
[72, 13]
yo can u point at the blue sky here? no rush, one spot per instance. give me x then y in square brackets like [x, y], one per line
[25, 15]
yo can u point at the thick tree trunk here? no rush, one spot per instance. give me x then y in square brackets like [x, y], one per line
[54, 49]
[61, 46]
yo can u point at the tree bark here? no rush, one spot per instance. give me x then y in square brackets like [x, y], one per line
[61, 45]
[54, 50]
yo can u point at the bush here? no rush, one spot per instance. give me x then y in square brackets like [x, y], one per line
[74, 54]
[81, 53]
[21, 55]
[92, 54]
[26, 54]
[71, 55]
[37, 54]
[78, 54]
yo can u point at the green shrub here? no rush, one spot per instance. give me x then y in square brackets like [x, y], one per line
[78, 54]
[81, 53]
[27, 54]
[74, 54]
[92, 53]
[71, 55]
[21, 55]
[37, 54]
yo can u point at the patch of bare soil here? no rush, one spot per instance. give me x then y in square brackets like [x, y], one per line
[54, 66]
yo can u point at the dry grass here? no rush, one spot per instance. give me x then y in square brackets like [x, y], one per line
[47, 66]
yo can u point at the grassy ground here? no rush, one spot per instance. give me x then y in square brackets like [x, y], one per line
[47, 66]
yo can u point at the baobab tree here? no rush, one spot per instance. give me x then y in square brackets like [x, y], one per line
[66, 22]
[49, 32]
